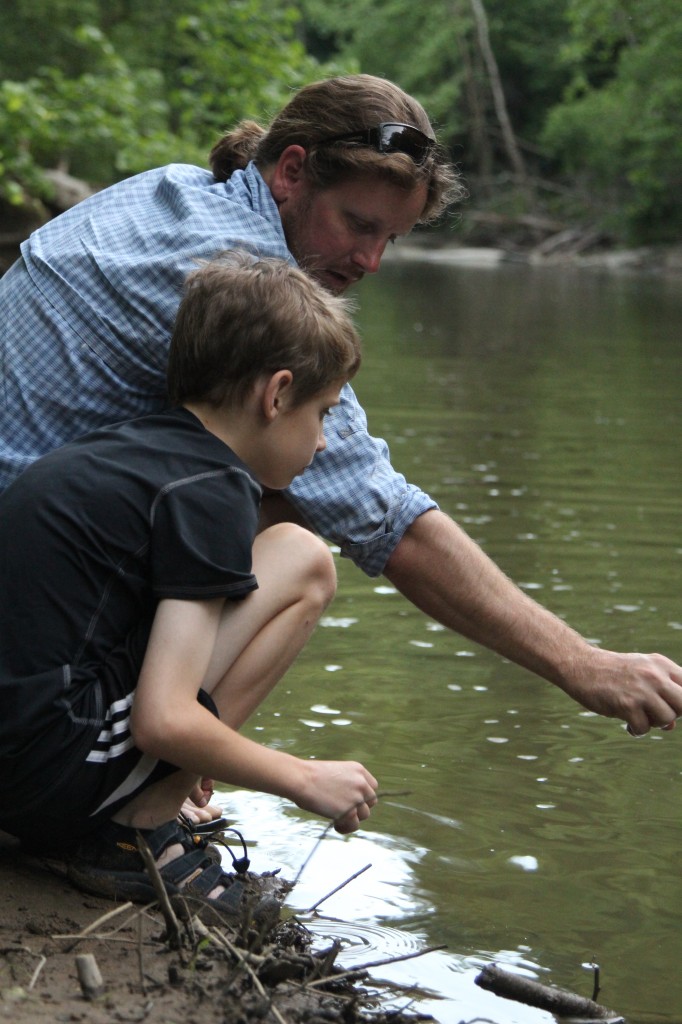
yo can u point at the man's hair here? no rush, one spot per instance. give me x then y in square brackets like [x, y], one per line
[340, 106]
[242, 318]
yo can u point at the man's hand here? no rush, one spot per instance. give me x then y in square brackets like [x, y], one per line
[645, 690]
[442, 571]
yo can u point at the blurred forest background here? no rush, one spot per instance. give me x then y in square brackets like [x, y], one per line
[564, 115]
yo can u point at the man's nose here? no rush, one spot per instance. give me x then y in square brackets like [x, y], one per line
[321, 442]
[368, 256]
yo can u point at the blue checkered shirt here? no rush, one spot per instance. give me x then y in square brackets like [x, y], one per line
[86, 316]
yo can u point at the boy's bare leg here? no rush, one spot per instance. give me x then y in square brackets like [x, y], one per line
[261, 637]
[258, 640]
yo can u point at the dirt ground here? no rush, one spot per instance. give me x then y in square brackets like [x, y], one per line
[219, 973]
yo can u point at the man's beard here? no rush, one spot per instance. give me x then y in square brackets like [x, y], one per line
[291, 225]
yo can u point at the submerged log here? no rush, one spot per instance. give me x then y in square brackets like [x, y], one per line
[555, 1000]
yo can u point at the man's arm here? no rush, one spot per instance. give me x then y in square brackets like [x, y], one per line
[447, 575]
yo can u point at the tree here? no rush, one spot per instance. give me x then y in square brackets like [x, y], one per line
[475, 78]
[117, 86]
[618, 128]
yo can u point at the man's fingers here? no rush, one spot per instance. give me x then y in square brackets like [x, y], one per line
[632, 731]
[636, 735]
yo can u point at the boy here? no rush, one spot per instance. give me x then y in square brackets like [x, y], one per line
[141, 622]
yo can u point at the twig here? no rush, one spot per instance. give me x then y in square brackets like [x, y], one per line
[25, 949]
[341, 886]
[140, 960]
[361, 968]
[329, 827]
[36, 973]
[104, 937]
[91, 927]
[305, 863]
[172, 926]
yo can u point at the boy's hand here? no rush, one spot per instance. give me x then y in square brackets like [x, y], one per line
[341, 790]
[198, 807]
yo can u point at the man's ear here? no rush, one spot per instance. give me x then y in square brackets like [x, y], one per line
[276, 393]
[288, 174]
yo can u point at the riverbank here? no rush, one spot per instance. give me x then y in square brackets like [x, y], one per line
[480, 238]
[238, 971]
[440, 249]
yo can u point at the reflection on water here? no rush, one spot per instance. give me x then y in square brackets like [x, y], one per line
[361, 913]
[541, 408]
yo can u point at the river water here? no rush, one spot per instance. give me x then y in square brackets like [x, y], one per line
[541, 408]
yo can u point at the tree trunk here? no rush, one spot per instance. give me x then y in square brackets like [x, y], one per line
[481, 151]
[510, 144]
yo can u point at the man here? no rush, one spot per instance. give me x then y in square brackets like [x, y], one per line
[347, 166]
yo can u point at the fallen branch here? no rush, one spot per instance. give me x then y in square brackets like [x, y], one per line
[555, 1000]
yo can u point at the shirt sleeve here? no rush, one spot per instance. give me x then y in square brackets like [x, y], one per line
[352, 495]
[203, 529]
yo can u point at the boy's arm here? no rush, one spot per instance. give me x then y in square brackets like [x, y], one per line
[168, 722]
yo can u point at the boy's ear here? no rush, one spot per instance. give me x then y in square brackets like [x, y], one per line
[276, 393]
[288, 174]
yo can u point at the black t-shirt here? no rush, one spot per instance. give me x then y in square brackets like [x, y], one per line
[94, 534]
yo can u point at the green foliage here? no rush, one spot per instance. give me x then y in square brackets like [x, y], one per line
[117, 87]
[527, 39]
[109, 87]
[24, 117]
[416, 45]
[619, 126]
[100, 123]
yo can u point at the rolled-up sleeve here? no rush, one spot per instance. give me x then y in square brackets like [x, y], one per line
[352, 495]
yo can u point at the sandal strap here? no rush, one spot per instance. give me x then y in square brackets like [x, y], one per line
[187, 868]
[206, 880]
[230, 899]
[159, 839]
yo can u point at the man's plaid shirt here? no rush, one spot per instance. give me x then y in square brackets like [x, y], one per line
[86, 317]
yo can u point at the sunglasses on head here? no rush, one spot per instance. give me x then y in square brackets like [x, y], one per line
[391, 137]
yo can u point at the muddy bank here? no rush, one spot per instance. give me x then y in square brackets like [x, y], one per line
[211, 971]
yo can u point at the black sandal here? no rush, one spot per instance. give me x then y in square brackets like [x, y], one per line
[108, 864]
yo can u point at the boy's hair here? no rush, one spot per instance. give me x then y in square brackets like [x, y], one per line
[242, 318]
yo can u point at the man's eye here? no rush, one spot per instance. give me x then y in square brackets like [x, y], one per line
[362, 225]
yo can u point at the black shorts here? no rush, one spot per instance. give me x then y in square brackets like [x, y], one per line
[79, 764]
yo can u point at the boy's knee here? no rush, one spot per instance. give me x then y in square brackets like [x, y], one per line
[311, 560]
